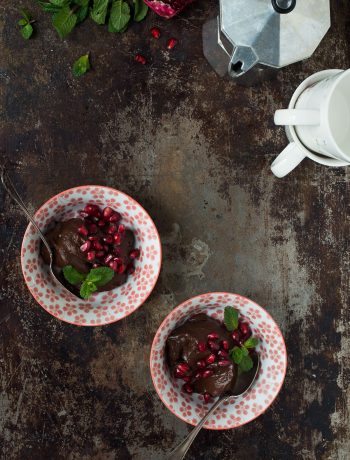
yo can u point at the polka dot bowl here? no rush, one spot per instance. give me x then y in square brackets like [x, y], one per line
[235, 412]
[104, 307]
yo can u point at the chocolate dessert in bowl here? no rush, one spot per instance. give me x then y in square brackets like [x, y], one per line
[205, 347]
[106, 250]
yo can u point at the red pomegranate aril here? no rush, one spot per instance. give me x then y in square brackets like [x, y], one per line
[140, 59]
[183, 368]
[107, 213]
[100, 254]
[93, 228]
[198, 375]
[98, 246]
[225, 345]
[83, 231]
[101, 223]
[201, 363]
[236, 336]
[213, 345]
[213, 336]
[171, 43]
[207, 397]
[91, 255]
[201, 346]
[224, 363]
[89, 209]
[207, 373]
[117, 238]
[188, 388]
[134, 254]
[130, 269]
[244, 328]
[121, 268]
[211, 358]
[108, 239]
[121, 229]
[112, 229]
[86, 246]
[113, 265]
[223, 354]
[115, 217]
[107, 259]
[93, 238]
[155, 32]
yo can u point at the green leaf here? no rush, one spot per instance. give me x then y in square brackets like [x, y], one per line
[236, 355]
[100, 276]
[119, 17]
[27, 31]
[48, 7]
[82, 13]
[60, 3]
[245, 352]
[22, 22]
[87, 288]
[231, 318]
[252, 342]
[72, 275]
[64, 21]
[140, 10]
[26, 15]
[246, 364]
[99, 11]
[80, 67]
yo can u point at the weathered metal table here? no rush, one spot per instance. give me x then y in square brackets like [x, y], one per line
[195, 150]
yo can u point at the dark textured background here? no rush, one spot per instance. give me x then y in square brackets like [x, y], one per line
[195, 150]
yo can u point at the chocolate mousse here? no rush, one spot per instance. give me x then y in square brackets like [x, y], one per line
[197, 352]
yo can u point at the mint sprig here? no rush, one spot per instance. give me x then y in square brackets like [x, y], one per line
[26, 25]
[231, 318]
[97, 277]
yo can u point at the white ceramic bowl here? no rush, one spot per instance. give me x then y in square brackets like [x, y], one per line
[236, 412]
[104, 307]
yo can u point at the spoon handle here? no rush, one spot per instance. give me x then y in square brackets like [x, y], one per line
[11, 190]
[180, 451]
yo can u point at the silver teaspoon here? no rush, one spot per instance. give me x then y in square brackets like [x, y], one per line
[241, 387]
[11, 190]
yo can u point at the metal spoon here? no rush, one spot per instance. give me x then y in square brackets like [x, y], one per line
[240, 389]
[11, 190]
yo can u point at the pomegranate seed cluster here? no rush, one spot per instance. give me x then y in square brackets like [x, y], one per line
[104, 233]
[155, 33]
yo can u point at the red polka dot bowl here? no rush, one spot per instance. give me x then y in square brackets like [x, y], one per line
[103, 307]
[235, 412]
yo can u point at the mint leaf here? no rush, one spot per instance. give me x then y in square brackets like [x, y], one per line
[140, 10]
[119, 17]
[236, 355]
[231, 318]
[26, 16]
[48, 7]
[99, 11]
[246, 364]
[87, 288]
[100, 276]
[27, 31]
[64, 21]
[81, 65]
[72, 275]
[60, 3]
[252, 342]
[83, 12]
[22, 22]
[245, 352]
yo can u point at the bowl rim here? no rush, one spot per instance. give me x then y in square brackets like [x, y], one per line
[178, 308]
[84, 187]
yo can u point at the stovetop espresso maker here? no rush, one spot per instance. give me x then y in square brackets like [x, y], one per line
[250, 39]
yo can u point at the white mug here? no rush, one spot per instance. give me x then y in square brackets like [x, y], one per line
[317, 122]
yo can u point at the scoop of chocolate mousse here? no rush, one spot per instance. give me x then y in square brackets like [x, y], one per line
[182, 346]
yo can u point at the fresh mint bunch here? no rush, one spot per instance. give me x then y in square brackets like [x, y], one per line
[26, 25]
[66, 14]
[97, 277]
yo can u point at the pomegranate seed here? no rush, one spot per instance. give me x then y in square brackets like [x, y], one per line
[171, 43]
[223, 354]
[96, 266]
[130, 269]
[201, 363]
[101, 223]
[93, 228]
[117, 238]
[188, 388]
[93, 238]
[92, 210]
[213, 345]
[244, 328]
[225, 345]
[121, 268]
[108, 239]
[100, 254]
[207, 397]
[115, 217]
[224, 363]
[107, 259]
[91, 256]
[97, 245]
[207, 373]
[201, 346]
[112, 229]
[236, 335]
[211, 359]
[183, 367]
[86, 246]
[198, 375]
[213, 336]
[134, 254]
[83, 231]
[121, 229]
[155, 32]
[113, 265]
[107, 213]
[140, 59]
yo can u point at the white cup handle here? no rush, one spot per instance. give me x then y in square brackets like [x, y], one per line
[287, 160]
[294, 117]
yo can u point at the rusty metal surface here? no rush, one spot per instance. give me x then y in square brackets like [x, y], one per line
[195, 150]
